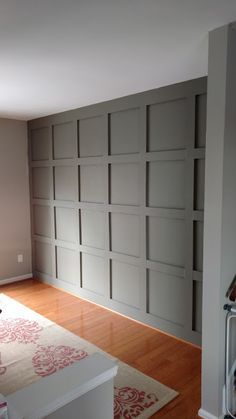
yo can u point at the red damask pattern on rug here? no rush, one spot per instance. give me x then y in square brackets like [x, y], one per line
[19, 330]
[130, 403]
[49, 359]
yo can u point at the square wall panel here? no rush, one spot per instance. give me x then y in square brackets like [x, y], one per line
[40, 144]
[199, 184]
[65, 222]
[125, 234]
[67, 265]
[92, 183]
[198, 245]
[93, 273]
[126, 283]
[124, 184]
[92, 136]
[201, 112]
[124, 132]
[197, 306]
[167, 125]
[166, 297]
[42, 220]
[43, 257]
[41, 182]
[166, 241]
[93, 228]
[65, 183]
[64, 141]
[166, 184]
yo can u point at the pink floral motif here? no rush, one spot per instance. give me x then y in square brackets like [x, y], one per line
[19, 330]
[49, 359]
[130, 403]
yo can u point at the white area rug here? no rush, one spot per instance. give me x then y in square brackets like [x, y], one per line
[33, 347]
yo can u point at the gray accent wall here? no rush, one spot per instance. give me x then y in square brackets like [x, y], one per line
[117, 194]
[15, 235]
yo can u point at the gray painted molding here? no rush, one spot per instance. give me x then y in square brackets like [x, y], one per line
[117, 204]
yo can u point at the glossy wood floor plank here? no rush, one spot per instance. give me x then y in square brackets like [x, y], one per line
[168, 360]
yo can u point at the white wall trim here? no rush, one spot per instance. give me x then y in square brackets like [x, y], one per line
[16, 278]
[206, 415]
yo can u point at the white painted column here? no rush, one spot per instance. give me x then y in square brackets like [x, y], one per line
[220, 213]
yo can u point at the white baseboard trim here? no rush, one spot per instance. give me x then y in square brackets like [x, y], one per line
[15, 279]
[206, 415]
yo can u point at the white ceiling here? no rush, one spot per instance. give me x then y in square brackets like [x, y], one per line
[63, 54]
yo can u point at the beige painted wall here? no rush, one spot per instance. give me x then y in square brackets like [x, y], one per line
[14, 200]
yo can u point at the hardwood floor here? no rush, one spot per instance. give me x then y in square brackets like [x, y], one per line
[168, 360]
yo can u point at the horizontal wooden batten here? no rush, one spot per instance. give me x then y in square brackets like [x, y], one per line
[199, 153]
[132, 260]
[198, 215]
[43, 202]
[41, 163]
[164, 268]
[92, 250]
[42, 239]
[124, 209]
[197, 276]
[170, 155]
[178, 214]
[83, 161]
[124, 158]
[91, 206]
[65, 244]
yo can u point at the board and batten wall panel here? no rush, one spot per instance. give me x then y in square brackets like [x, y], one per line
[117, 193]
